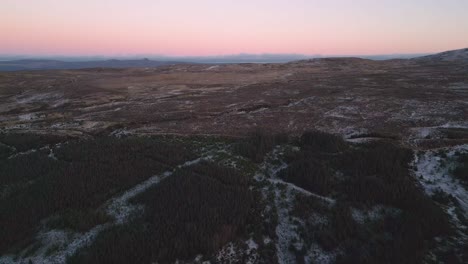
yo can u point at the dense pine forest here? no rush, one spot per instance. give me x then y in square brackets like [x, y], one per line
[79, 177]
[212, 193]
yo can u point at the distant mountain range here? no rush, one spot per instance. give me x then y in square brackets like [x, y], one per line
[18, 65]
[155, 61]
[15, 63]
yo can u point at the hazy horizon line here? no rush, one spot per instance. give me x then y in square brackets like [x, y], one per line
[4, 57]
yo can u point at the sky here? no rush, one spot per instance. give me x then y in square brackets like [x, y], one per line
[222, 27]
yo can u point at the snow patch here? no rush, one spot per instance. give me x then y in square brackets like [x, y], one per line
[317, 255]
[433, 176]
[212, 68]
[455, 125]
[27, 117]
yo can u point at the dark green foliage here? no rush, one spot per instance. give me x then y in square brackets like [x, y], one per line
[442, 197]
[318, 141]
[5, 151]
[340, 228]
[442, 154]
[26, 167]
[461, 173]
[451, 258]
[27, 141]
[309, 174]
[311, 168]
[378, 174]
[79, 220]
[31, 249]
[262, 223]
[381, 135]
[455, 133]
[393, 239]
[127, 243]
[465, 253]
[195, 211]
[257, 145]
[461, 170]
[303, 205]
[200, 208]
[373, 174]
[85, 175]
[378, 158]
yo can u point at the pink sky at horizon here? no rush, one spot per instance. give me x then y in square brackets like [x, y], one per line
[209, 27]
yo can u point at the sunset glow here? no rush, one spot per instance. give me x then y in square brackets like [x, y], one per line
[209, 27]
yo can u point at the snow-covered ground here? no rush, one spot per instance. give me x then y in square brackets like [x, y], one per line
[433, 172]
[33, 96]
[298, 189]
[284, 198]
[236, 253]
[29, 151]
[417, 133]
[285, 230]
[22, 153]
[27, 117]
